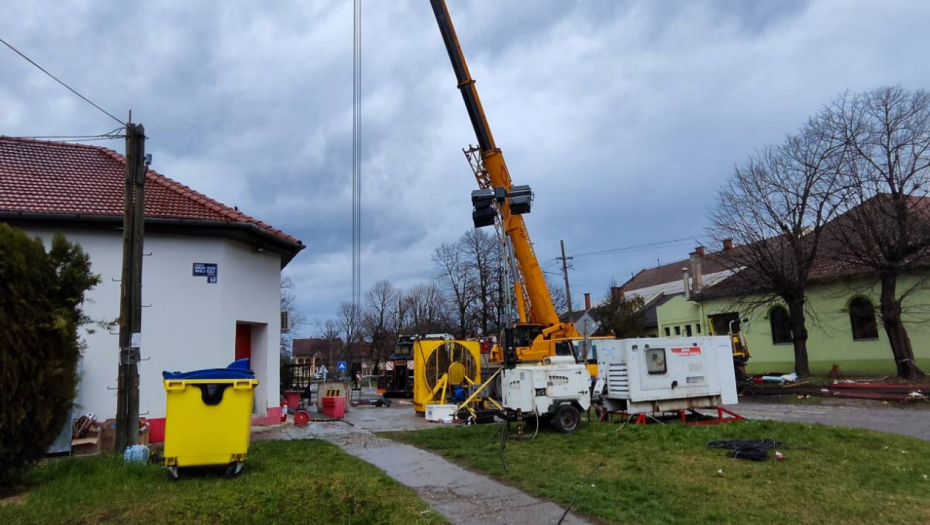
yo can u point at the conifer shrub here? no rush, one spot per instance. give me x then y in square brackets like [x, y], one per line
[41, 298]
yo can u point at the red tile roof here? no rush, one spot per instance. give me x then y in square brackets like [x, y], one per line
[865, 223]
[78, 179]
[310, 346]
[671, 272]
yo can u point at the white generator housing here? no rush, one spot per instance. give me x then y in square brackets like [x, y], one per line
[665, 374]
[541, 388]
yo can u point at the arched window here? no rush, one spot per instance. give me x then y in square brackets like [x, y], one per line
[862, 319]
[781, 326]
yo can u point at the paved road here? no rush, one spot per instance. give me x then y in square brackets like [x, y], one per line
[914, 422]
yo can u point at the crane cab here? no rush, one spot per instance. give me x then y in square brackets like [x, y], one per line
[533, 346]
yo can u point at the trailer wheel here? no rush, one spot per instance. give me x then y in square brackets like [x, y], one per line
[566, 419]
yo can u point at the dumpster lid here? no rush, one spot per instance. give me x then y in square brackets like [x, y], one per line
[238, 369]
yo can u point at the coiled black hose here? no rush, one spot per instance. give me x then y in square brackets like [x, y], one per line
[751, 449]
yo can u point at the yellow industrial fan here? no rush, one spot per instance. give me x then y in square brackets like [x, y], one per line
[440, 365]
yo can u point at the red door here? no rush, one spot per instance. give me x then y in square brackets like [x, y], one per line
[243, 341]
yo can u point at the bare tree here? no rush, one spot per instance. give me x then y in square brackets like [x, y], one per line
[457, 282]
[775, 207]
[350, 323]
[887, 178]
[559, 298]
[329, 332]
[401, 317]
[380, 309]
[425, 308]
[297, 319]
[619, 315]
[482, 262]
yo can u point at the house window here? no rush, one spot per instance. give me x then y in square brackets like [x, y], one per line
[862, 319]
[781, 326]
[698, 327]
[668, 332]
[688, 330]
[677, 330]
[655, 361]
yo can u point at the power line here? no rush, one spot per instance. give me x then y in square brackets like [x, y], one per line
[357, 156]
[42, 69]
[78, 138]
[110, 135]
[71, 139]
[634, 247]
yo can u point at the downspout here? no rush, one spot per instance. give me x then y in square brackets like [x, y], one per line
[703, 318]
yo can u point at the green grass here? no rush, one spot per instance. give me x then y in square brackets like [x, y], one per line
[283, 482]
[664, 474]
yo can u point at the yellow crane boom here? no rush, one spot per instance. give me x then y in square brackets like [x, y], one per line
[544, 328]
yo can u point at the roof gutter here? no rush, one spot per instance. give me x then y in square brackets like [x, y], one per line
[287, 248]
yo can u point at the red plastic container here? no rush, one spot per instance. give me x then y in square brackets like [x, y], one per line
[293, 400]
[334, 407]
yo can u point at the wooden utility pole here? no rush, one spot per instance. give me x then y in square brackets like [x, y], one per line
[130, 318]
[568, 290]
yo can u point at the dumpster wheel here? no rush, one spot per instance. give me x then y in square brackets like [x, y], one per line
[233, 469]
[172, 472]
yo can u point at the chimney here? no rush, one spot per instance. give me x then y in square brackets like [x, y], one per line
[587, 301]
[727, 244]
[687, 282]
[616, 293]
[697, 273]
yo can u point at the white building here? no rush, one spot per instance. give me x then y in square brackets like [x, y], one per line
[188, 323]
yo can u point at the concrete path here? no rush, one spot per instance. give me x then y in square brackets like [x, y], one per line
[907, 421]
[462, 496]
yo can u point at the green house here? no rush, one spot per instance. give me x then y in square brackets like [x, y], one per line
[843, 325]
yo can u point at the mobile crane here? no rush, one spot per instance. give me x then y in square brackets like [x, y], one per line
[539, 333]
[558, 380]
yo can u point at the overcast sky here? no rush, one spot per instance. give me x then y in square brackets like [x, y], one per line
[624, 116]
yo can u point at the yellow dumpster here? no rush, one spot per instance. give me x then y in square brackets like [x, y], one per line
[209, 414]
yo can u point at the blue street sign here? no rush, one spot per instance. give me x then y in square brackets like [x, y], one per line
[210, 270]
[341, 366]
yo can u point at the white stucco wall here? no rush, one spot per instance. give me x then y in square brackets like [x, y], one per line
[189, 325]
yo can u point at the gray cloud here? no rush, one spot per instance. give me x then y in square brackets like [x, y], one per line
[624, 116]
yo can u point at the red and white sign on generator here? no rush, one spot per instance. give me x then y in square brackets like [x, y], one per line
[685, 352]
[410, 365]
[389, 365]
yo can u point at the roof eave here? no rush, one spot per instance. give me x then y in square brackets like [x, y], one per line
[286, 248]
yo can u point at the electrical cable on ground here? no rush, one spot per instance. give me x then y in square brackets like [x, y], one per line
[751, 449]
[56, 79]
[504, 447]
[575, 495]
[537, 424]
[654, 419]
[496, 432]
